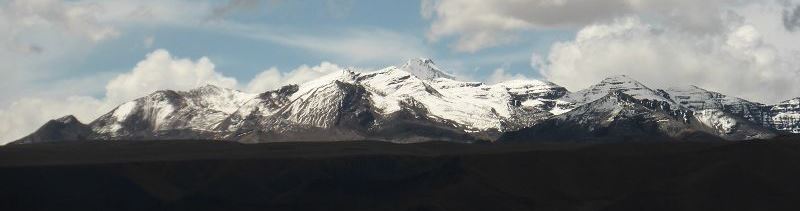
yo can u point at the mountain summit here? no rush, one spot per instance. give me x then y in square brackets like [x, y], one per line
[425, 69]
[419, 102]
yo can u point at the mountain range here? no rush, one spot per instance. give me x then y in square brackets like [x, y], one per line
[417, 102]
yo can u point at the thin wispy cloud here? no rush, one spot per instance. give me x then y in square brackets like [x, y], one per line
[355, 45]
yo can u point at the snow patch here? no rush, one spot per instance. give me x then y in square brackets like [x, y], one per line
[621, 83]
[562, 106]
[124, 110]
[716, 119]
[533, 103]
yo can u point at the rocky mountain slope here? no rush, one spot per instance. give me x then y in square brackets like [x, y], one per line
[784, 116]
[419, 102]
[619, 108]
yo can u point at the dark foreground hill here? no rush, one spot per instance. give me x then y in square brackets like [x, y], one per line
[201, 175]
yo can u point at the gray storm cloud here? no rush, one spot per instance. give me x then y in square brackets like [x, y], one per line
[483, 24]
[791, 18]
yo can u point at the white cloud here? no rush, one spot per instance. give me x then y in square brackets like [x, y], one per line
[153, 12]
[500, 75]
[36, 34]
[77, 18]
[266, 80]
[766, 18]
[26, 115]
[479, 24]
[162, 71]
[272, 78]
[354, 46]
[39, 38]
[158, 71]
[737, 61]
[361, 45]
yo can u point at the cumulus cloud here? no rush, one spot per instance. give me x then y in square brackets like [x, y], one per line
[272, 78]
[26, 115]
[500, 75]
[480, 24]
[737, 61]
[160, 70]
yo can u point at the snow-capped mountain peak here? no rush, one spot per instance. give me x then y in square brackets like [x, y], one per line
[618, 83]
[530, 86]
[621, 82]
[218, 98]
[208, 88]
[199, 109]
[697, 98]
[425, 69]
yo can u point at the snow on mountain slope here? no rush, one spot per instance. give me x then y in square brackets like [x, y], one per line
[541, 95]
[615, 116]
[311, 104]
[717, 120]
[618, 104]
[698, 99]
[381, 95]
[719, 112]
[731, 126]
[532, 89]
[200, 109]
[424, 69]
[473, 106]
[785, 116]
[620, 83]
[390, 85]
[628, 108]
[317, 103]
[263, 105]
[217, 98]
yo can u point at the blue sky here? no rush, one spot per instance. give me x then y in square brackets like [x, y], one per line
[84, 57]
[242, 56]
